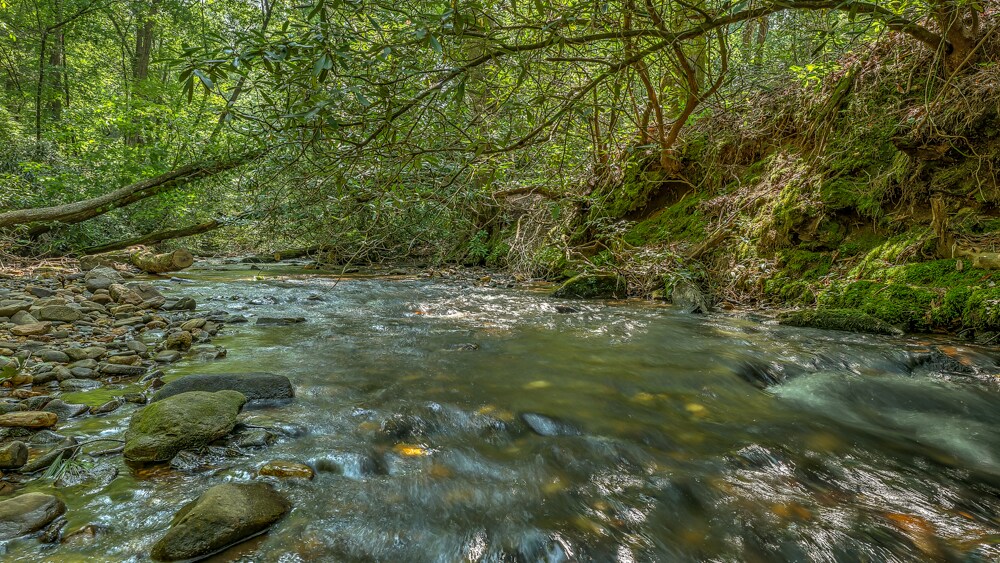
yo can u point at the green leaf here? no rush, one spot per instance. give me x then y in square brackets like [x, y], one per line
[204, 79]
[434, 44]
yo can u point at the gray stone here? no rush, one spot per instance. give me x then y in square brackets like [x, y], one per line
[255, 386]
[28, 513]
[222, 516]
[60, 313]
[23, 318]
[128, 371]
[137, 347]
[168, 356]
[49, 355]
[688, 297]
[9, 307]
[65, 410]
[188, 420]
[75, 384]
[13, 455]
[182, 304]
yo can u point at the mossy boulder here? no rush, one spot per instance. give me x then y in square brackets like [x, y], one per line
[222, 516]
[592, 286]
[851, 320]
[160, 430]
[898, 304]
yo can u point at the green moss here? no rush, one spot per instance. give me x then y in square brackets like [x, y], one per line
[861, 242]
[952, 309]
[891, 252]
[982, 309]
[851, 320]
[935, 273]
[681, 221]
[903, 305]
[781, 289]
[640, 180]
[804, 264]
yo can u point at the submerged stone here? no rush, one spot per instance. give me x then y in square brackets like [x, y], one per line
[222, 516]
[255, 385]
[28, 513]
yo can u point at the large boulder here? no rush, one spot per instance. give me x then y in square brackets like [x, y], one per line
[222, 516]
[101, 278]
[592, 286]
[188, 420]
[13, 455]
[28, 513]
[255, 386]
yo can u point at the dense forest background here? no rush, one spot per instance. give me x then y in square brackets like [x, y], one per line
[766, 149]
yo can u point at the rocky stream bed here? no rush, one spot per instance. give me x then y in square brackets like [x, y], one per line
[400, 417]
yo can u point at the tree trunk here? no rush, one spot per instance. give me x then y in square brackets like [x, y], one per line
[140, 65]
[939, 222]
[158, 236]
[162, 263]
[79, 211]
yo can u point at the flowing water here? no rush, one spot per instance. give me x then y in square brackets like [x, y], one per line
[452, 422]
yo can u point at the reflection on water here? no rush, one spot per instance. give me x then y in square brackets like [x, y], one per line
[450, 422]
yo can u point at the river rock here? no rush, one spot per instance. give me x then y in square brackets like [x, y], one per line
[124, 295]
[592, 286]
[28, 419]
[60, 313]
[65, 410]
[36, 329]
[13, 455]
[101, 278]
[9, 307]
[686, 295]
[28, 513]
[144, 290]
[125, 371]
[49, 355]
[286, 469]
[76, 384]
[182, 304]
[254, 386]
[223, 515]
[192, 324]
[549, 426]
[178, 341]
[88, 353]
[280, 321]
[23, 318]
[188, 420]
[168, 356]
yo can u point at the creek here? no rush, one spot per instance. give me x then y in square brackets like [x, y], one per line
[452, 420]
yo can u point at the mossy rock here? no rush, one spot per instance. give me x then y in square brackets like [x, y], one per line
[223, 515]
[592, 286]
[850, 320]
[897, 304]
[160, 430]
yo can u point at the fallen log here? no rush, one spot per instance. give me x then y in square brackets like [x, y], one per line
[159, 236]
[83, 210]
[161, 263]
[141, 258]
